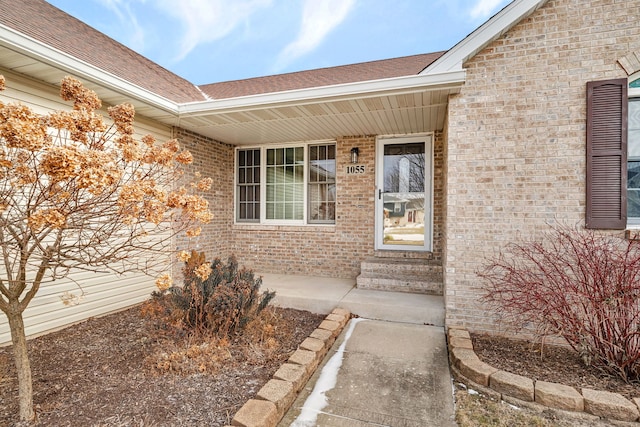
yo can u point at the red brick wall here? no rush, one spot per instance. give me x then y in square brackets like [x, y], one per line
[327, 250]
[212, 159]
[324, 250]
[516, 137]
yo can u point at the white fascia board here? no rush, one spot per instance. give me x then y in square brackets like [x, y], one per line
[44, 53]
[396, 85]
[497, 25]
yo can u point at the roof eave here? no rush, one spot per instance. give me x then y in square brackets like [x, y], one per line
[496, 26]
[318, 94]
[82, 70]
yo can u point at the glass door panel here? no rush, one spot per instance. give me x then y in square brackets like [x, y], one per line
[403, 194]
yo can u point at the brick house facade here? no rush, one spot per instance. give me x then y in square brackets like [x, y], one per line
[501, 119]
[516, 156]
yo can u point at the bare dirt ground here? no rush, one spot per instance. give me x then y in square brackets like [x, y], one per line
[557, 364]
[125, 369]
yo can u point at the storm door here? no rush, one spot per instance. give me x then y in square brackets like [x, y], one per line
[404, 194]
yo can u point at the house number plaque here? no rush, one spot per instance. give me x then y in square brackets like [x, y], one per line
[355, 169]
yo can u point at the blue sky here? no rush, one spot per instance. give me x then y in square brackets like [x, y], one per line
[207, 41]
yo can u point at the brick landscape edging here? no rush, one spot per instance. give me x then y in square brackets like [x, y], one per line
[503, 385]
[275, 398]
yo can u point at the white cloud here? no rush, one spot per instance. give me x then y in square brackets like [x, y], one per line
[319, 18]
[208, 20]
[127, 19]
[484, 8]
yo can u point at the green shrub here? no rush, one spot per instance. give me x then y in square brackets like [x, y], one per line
[222, 302]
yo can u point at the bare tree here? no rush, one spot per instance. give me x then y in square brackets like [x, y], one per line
[77, 193]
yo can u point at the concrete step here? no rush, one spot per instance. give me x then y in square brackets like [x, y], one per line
[395, 306]
[401, 275]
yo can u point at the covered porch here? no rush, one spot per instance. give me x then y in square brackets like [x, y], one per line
[323, 294]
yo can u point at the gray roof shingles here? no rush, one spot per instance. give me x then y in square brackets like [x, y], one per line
[48, 24]
[365, 71]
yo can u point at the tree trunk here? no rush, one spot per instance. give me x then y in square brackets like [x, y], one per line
[23, 367]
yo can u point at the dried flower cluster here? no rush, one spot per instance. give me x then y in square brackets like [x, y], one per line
[74, 182]
[78, 190]
[164, 282]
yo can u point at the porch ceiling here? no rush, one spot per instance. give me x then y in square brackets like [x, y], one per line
[386, 107]
[416, 111]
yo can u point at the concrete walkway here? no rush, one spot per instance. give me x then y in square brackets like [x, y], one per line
[388, 368]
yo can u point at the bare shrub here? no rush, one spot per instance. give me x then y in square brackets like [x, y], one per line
[217, 298]
[79, 192]
[578, 284]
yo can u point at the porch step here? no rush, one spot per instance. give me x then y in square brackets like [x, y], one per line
[401, 275]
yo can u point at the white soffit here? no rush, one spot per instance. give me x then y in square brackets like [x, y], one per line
[370, 107]
[496, 26]
[399, 105]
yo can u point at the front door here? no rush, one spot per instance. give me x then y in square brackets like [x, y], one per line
[404, 193]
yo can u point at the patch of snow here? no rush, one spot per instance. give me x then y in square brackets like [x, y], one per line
[317, 400]
[517, 408]
[472, 391]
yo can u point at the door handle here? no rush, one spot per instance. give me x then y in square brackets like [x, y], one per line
[379, 194]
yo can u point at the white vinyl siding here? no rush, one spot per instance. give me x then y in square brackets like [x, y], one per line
[104, 293]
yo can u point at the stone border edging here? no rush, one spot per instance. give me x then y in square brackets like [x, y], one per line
[275, 398]
[504, 385]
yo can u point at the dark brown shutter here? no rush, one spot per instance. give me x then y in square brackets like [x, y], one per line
[607, 154]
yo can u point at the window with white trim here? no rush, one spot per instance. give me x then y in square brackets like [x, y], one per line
[248, 185]
[633, 153]
[286, 184]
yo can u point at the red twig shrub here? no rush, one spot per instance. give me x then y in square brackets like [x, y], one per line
[578, 284]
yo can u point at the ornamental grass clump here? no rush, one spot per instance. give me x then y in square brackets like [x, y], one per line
[216, 298]
[578, 284]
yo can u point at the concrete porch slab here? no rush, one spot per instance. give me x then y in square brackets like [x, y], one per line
[323, 294]
[315, 294]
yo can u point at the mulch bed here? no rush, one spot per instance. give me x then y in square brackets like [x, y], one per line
[558, 364]
[125, 369]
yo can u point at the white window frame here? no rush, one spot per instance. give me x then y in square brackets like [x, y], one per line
[263, 187]
[632, 222]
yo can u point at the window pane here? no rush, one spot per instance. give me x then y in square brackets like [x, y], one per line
[633, 166]
[633, 203]
[404, 169]
[321, 187]
[634, 129]
[285, 180]
[331, 154]
[322, 152]
[247, 205]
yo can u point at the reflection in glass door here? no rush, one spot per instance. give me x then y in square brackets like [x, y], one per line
[404, 194]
